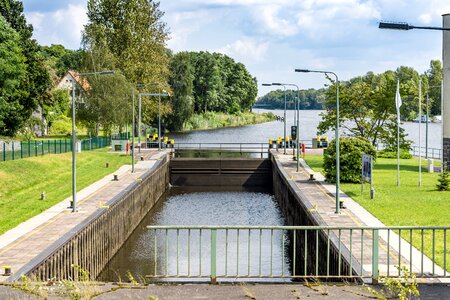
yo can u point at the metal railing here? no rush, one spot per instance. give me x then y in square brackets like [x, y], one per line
[31, 148]
[288, 252]
[433, 153]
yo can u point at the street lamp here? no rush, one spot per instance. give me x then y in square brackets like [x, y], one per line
[405, 26]
[74, 139]
[284, 118]
[296, 120]
[139, 86]
[338, 164]
[445, 74]
[159, 95]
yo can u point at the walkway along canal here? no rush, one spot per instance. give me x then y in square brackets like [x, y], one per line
[316, 242]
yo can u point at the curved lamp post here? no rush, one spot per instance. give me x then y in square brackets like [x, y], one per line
[337, 131]
[284, 118]
[296, 120]
[74, 140]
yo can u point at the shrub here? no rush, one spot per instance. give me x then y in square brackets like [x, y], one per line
[444, 180]
[351, 151]
[62, 125]
[392, 153]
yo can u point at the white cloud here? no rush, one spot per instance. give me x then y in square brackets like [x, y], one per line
[246, 50]
[63, 26]
[269, 17]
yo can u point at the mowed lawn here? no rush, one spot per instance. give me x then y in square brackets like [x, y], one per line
[22, 181]
[404, 205]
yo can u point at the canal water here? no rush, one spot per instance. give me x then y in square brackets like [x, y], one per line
[200, 207]
[309, 120]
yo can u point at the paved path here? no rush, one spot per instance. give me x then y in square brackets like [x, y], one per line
[321, 196]
[21, 244]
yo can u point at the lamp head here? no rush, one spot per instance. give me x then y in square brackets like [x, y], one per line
[266, 84]
[106, 73]
[276, 83]
[394, 25]
[302, 70]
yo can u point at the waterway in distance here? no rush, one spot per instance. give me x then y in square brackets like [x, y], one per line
[184, 206]
[309, 120]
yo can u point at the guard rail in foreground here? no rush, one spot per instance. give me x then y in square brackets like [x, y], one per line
[283, 253]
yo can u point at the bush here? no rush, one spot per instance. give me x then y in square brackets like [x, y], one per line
[392, 153]
[351, 151]
[62, 125]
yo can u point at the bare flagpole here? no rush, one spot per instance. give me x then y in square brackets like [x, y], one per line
[420, 123]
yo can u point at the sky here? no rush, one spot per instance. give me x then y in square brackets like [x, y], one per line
[274, 37]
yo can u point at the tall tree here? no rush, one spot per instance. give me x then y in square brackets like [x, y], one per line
[434, 92]
[182, 82]
[12, 72]
[34, 86]
[134, 33]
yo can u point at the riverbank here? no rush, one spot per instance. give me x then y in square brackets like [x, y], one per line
[24, 180]
[213, 120]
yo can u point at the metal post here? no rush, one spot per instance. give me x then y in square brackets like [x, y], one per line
[132, 134]
[338, 159]
[159, 121]
[74, 157]
[213, 256]
[139, 123]
[375, 240]
[298, 129]
[420, 140]
[284, 119]
[426, 129]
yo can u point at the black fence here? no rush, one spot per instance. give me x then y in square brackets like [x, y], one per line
[25, 149]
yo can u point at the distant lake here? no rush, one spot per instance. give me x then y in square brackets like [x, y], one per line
[309, 120]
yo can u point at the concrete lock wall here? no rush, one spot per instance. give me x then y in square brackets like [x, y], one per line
[299, 212]
[91, 245]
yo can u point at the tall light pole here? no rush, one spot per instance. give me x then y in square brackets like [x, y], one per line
[159, 95]
[297, 122]
[445, 109]
[338, 160]
[74, 139]
[139, 86]
[284, 118]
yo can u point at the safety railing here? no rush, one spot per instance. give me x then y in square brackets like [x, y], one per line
[433, 153]
[221, 149]
[288, 252]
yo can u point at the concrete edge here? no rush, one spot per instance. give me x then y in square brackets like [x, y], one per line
[31, 265]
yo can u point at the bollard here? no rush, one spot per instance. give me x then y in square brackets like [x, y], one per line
[43, 196]
[7, 271]
[107, 165]
[115, 177]
[142, 158]
[372, 193]
[341, 203]
[311, 177]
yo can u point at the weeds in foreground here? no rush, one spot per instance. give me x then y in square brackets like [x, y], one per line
[403, 288]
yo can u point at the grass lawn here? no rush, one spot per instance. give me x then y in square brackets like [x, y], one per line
[23, 181]
[406, 205]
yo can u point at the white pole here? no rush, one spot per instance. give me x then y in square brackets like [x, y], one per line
[420, 140]
[398, 138]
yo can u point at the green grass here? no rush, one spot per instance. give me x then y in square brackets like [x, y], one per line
[23, 181]
[404, 205]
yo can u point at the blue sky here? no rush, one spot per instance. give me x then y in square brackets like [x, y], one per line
[273, 37]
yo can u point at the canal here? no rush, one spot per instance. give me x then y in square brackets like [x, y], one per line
[183, 206]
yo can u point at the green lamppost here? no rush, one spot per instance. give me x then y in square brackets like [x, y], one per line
[74, 139]
[337, 131]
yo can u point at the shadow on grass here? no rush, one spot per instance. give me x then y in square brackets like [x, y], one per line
[393, 167]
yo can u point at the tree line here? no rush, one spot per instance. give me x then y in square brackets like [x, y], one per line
[367, 103]
[129, 37]
[309, 99]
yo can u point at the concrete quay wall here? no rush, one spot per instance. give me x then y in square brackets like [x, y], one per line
[92, 243]
[298, 211]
